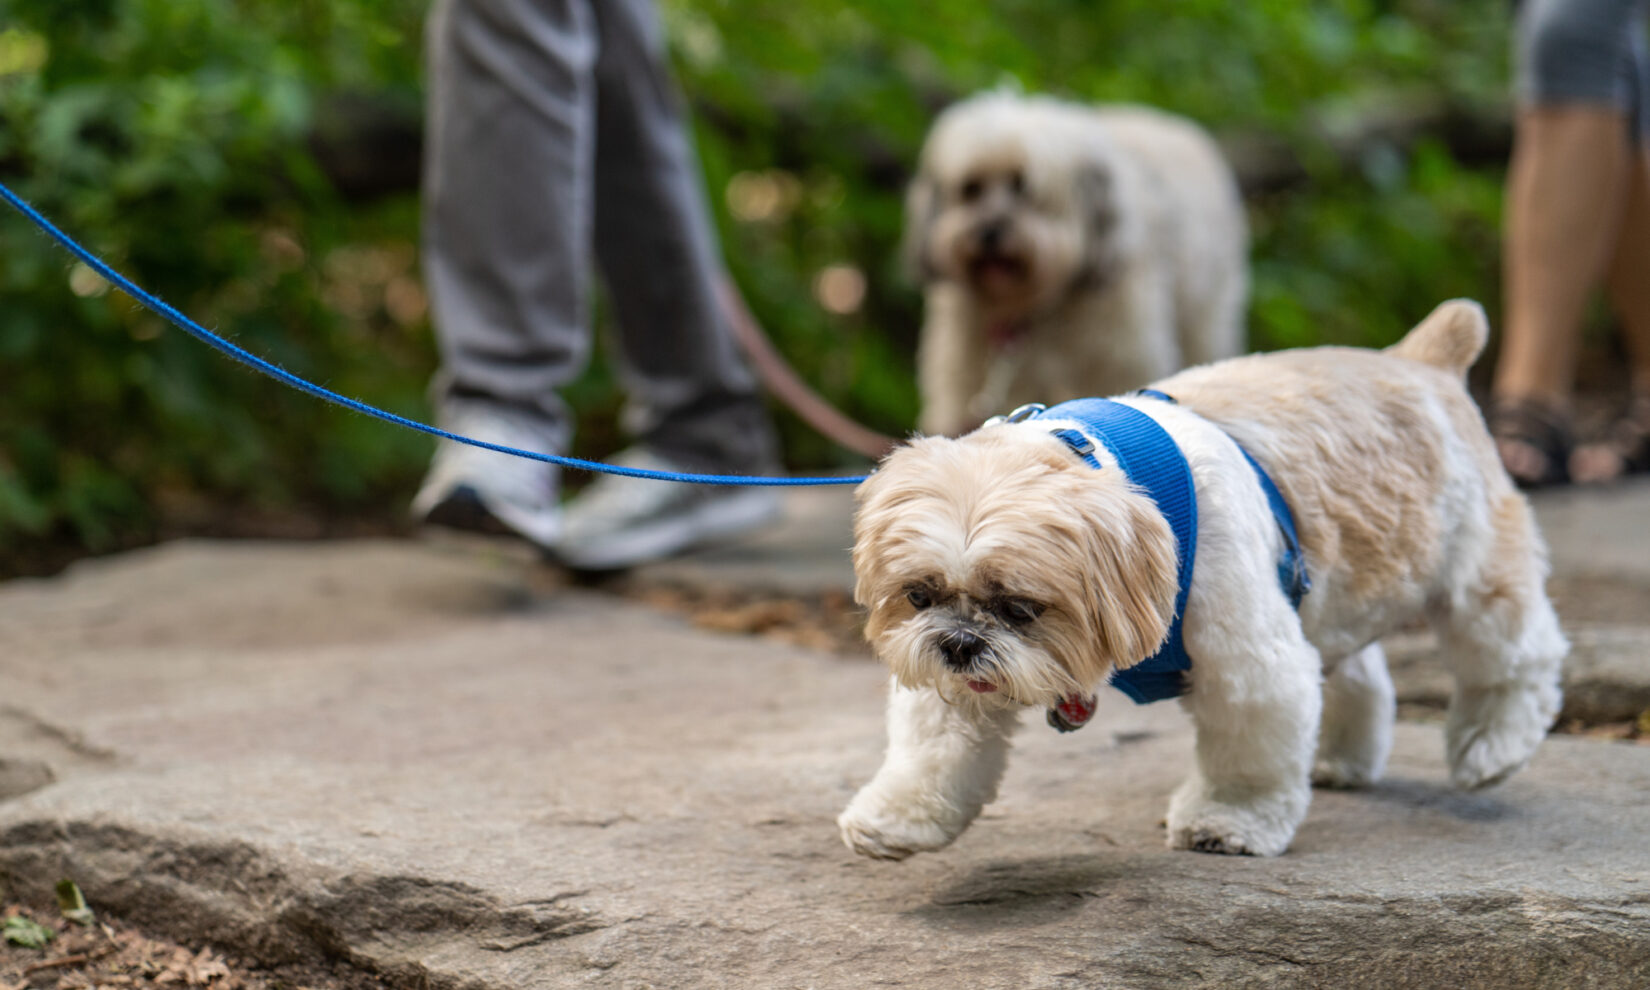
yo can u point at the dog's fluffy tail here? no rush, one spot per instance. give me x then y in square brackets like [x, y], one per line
[1451, 337]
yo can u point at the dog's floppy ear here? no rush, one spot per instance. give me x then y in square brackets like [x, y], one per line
[1128, 572]
[1096, 193]
[922, 206]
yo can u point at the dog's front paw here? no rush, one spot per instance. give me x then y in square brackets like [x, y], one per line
[884, 832]
[1227, 838]
[1204, 841]
[1263, 828]
[1340, 774]
[896, 842]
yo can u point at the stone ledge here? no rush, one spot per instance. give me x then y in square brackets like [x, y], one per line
[1606, 676]
[398, 757]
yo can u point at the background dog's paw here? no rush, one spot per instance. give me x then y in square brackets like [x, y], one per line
[883, 837]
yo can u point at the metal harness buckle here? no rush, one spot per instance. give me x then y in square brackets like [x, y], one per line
[1024, 412]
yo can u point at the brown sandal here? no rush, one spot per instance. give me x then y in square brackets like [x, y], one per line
[1541, 429]
[1625, 445]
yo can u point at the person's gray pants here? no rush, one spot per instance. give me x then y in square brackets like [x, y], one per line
[555, 131]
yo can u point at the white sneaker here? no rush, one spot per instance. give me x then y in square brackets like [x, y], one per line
[620, 522]
[484, 491]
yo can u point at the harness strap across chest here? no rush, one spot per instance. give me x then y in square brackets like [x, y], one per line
[1152, 461]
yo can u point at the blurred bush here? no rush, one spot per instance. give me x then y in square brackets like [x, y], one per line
[175, 138]
[169, 135]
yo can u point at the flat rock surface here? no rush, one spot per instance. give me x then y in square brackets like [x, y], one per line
[432, 763]
[1601, 533]
[805, 553]
[1598, 530]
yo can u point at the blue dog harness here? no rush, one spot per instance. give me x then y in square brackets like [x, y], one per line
[1152, 460]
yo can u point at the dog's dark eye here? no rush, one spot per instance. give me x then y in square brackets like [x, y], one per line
[919, 598]
[972, 189]
[1016, 183]
[1020, 610]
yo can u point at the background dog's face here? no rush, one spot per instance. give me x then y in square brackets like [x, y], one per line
[999, 568]
[1009, 206]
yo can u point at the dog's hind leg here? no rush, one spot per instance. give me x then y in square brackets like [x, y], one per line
[1359, 706]
[943, 765]
[1257, 724]
[1505, 648]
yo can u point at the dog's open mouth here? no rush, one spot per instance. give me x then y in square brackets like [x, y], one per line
[997, 272]
[981, 687]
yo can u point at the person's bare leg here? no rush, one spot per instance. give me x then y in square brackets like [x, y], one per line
[1628, 282]
[1564, 205]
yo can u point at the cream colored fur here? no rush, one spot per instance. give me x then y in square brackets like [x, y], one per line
[1122, 247]
[1403, 511]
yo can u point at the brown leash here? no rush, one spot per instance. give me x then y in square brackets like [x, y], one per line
[784, 384]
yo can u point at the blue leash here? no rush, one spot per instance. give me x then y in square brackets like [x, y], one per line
[165, 310]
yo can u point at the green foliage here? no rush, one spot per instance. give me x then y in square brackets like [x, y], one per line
[838, 98]
[171, 136]
[26, 932]
[71, 903]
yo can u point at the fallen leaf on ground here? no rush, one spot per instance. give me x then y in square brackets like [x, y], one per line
[750, 618]
[30, 934]
[72, 903]
[196, 970]
[1609, 730]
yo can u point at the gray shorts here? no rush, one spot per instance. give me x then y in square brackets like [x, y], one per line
[1585, 51]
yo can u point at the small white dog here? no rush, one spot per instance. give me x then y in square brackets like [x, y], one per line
[1001, 571]
[1067, 251]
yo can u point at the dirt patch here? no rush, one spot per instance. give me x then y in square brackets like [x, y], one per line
[1636, 731]
[109, 954]
[827, 621]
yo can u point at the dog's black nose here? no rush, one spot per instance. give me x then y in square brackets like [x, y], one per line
[961, 648]
[991, 235]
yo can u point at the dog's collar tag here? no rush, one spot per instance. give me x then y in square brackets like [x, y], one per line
[1073, 712]
[1153, 461]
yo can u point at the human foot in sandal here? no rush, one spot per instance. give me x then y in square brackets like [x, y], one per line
[1533, 440]
[1624, 449]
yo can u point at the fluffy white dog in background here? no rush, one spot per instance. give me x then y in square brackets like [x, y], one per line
[1002, 571]
[1068, 251]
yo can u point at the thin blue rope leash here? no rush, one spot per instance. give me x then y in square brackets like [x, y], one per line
[173, 316]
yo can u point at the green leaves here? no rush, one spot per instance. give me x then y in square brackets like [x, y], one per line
[19, 929]
[169, 135]
[172, 136]
[26, 932]
[838, 98]
[72, 903]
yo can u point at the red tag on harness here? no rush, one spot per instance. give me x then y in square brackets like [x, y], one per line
[1073, 712]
